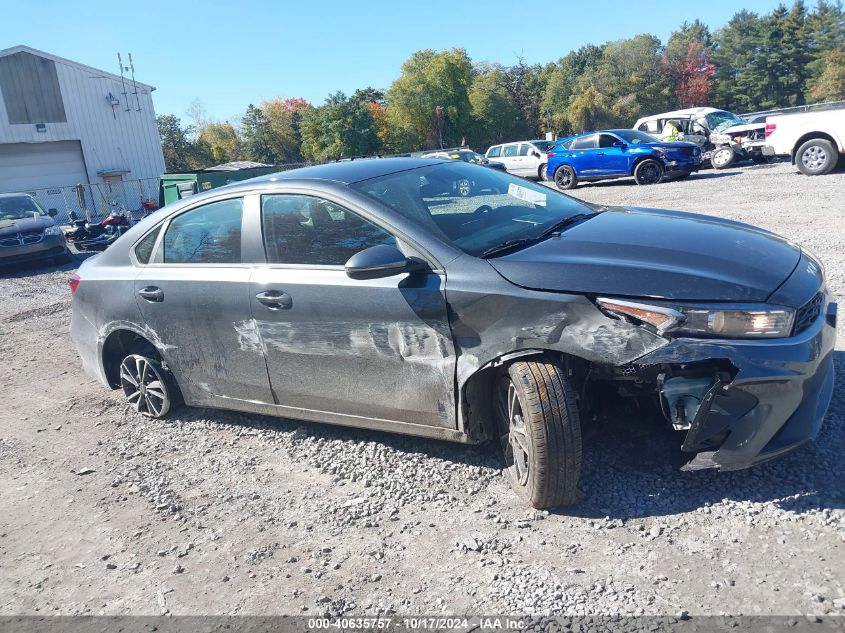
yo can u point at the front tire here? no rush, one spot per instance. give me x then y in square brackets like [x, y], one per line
[540, 431]
[148, 386]
[723, 157]
[816, 157]
[648, 172]
[565, 177]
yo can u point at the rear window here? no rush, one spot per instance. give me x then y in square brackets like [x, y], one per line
[584, 142]
[144, 248]
[210, 234]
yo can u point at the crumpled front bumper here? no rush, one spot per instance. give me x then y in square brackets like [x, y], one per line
[775, 403]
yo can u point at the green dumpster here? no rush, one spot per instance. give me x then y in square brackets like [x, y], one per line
[177, 185]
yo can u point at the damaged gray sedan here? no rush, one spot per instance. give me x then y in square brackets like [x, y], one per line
[373, 294]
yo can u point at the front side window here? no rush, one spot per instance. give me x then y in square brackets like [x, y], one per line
[210, 234]
[494, 152]
[311, 231]
[472, 207]
[510, 150]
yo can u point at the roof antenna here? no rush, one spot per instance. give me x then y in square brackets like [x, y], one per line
[122, 81]
[134, 84]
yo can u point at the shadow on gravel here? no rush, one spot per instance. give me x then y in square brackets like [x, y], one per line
[630, 182]
[32, 269]
[631, 470]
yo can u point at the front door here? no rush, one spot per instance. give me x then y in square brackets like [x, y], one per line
[378, 349]
[194, 297]
[613, 160]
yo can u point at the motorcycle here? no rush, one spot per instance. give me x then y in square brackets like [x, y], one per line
[97, 236]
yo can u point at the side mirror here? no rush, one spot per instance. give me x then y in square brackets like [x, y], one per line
[620, 145]
[52, 212]
[379, 261]
[535, 154]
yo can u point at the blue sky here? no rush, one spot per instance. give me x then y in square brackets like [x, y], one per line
[229, 54]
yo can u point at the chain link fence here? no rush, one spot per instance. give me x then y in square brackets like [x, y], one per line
[94, 202]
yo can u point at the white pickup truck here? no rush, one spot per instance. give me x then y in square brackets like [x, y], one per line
[814, 140]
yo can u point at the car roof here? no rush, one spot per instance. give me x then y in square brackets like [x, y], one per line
[684, 112]
[351, 171]
[579, 135]
[15, 195]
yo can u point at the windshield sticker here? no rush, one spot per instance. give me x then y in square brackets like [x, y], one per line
[529, 195]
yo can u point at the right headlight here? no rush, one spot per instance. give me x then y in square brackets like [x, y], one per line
[736, 321]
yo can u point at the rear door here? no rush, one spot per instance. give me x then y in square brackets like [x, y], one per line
[340, 349]
[510, 157]
[194, 297]
[584, 159]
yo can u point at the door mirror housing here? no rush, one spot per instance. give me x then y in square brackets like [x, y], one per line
[379, 261]
[620, 145]
[535, 154]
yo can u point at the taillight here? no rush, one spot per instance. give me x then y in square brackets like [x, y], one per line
[770, 127]
[73, 282]
[550, 154]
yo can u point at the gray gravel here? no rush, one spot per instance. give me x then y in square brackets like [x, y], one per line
[219, 512]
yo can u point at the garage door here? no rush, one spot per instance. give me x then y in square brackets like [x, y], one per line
[30, 166]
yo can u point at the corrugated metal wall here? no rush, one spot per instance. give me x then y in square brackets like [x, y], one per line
[112, 138]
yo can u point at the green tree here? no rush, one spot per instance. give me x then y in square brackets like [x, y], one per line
[496, 117]
[180, 152]
[733, 57]
[430, 80]
[282, 118]
[255, 132]
[563, 79]
[223, 142]
[678, 46]
[826, 34]
[830, 84]
[339, 128]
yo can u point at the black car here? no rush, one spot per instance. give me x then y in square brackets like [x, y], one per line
[370, 294]
[27, 232]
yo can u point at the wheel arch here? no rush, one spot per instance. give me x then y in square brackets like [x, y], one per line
[122, 340]
[476, 393]
[643, 157]
[810, 136]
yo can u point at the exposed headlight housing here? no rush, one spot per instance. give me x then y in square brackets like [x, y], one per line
[53, 230]
[724, 321]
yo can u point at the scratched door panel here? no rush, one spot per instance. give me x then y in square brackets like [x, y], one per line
[379, 348]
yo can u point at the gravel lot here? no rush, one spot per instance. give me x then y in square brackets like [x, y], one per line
[103, 511]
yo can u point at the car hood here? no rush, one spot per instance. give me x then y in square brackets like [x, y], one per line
[651, 253]
[10, 227]
[735, 129]
[666, 144]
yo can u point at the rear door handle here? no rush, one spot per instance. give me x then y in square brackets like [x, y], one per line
[153, 294]
[275, 299]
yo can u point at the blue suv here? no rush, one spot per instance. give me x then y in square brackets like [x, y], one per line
[620, 153]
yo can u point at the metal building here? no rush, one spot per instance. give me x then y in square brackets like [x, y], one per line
[63, 123]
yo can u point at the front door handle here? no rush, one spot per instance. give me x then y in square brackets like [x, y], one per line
[153, 294]
[275, 299]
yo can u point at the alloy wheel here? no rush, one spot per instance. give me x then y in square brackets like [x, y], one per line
[144, 386]
[650, 174]
[515, 437]
[814, 157]
[563, 177]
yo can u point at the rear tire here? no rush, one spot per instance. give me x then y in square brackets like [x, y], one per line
[148, 386]
[540, 430]
[816, 157]
[648, 172]
[541, 172]
[566, 178]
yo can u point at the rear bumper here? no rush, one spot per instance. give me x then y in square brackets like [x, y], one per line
[47, 246]
[775, 403]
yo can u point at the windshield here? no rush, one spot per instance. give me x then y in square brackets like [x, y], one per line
[472, 207]
[467, 156]
[635, 137]
[721, 120]
[19, 208]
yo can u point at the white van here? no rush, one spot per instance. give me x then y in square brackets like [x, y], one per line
[522, 158]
